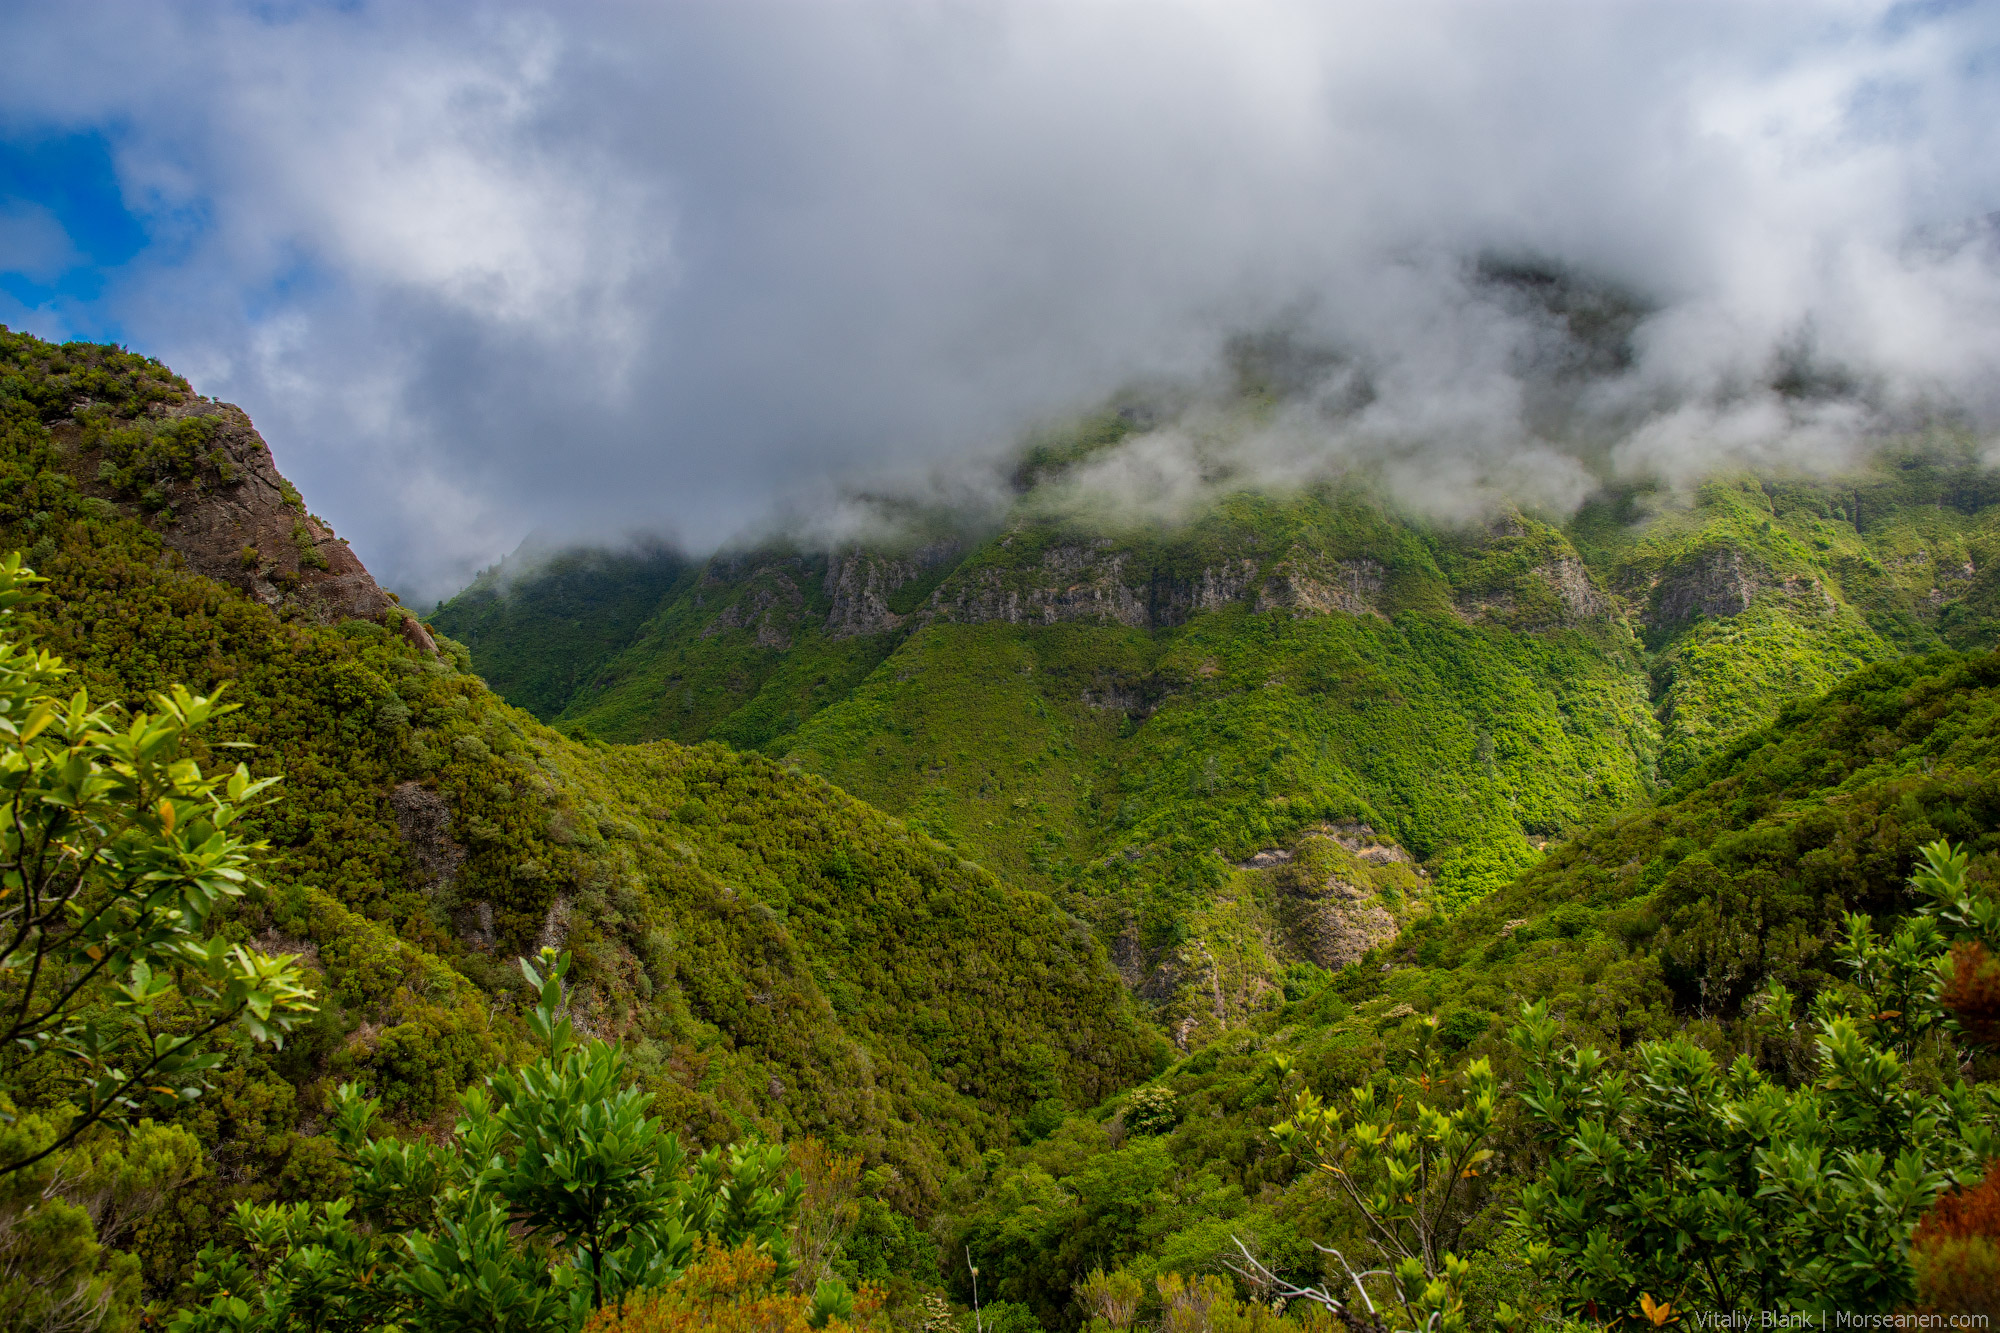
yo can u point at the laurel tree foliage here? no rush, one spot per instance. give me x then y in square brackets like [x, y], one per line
[556, 1195]
[1718, 1187]
[115, 854]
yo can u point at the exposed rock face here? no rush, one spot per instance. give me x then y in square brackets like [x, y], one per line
[1128, 957]
[1091, 583]
[423, 821]
[1570, 582]
[860, 585]
[1216, 587]
[243, 524]
[771, 602]
[1073, 582]
[1566, 596]
[1720, 583]
[1335, 921]
[1368, 845]
[419, 636]
[1264, 860]
[1716, 583]
[1312, 587]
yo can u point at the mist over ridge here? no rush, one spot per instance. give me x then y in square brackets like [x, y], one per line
[1532, 393]
[680, 269]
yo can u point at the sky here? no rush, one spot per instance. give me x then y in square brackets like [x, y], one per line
[693, 269]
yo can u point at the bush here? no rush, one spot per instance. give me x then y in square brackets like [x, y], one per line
[734, 1291]
[1956, 1252]
[1686, 1176]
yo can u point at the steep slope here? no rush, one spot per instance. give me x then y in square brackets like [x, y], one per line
[1759, 590]
[759, 642]
[781, 957]
[542, 623]
[1122, 720]
[1670, 918]
[1119, 714]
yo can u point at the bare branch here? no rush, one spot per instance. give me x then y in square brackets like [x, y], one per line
[1256, 1272]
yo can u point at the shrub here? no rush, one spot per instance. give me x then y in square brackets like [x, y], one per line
[735, 1291]
[1956, 1251]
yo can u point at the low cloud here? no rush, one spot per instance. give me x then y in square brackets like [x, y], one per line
[603, 268]
[34, 241]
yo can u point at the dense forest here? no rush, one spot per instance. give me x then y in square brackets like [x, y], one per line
[1305, 916]
[776, 959]
[1126, 717]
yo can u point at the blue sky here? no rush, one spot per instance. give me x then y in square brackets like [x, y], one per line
[69, 232]
[680, 268]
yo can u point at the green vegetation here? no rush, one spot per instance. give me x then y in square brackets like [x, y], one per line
[1339, 792]
[541, 632]
[1670, 923]
[115, 856]
[733, 1291]
[776, 957]
[556, 1196]
[1402, 1163]
[743, 655]
[1116, 715]
[1765, 590]
[1126, 768]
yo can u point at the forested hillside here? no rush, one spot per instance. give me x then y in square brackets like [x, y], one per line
[1353, 894]
[544, 623]
[1124, 716]
[777, 957]
[1671, 922]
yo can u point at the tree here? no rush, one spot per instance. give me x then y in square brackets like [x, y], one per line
[1403, 1160]
[557, 1196]
[116, 854]
[60, 1218]
[828, 1209]
[1683, 1180]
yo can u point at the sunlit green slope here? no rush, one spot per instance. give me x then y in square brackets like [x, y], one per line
[1120, 714]
[778, 955]
[1671, 919]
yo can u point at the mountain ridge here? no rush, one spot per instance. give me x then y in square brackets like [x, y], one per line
[780, 957]
[1472, 690]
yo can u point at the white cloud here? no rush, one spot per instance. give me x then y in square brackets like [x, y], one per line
[33, 242]
[589, 267]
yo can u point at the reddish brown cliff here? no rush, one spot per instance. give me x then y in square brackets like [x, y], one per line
[229, 514]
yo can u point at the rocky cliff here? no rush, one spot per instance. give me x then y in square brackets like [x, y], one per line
[198, 473]
[783, 959]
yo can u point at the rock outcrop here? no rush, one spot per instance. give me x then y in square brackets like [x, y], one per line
[1720, 583]
[1572, 585]
[1331, 906]
[1072, 582]
[238, 521]
[1552, 595]
[861, 584]
[1305, 586]
[1099, 583]
[423, 822]
[1716, 583]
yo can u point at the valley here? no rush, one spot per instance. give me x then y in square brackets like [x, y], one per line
[1023, 881]
[1126, 718]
